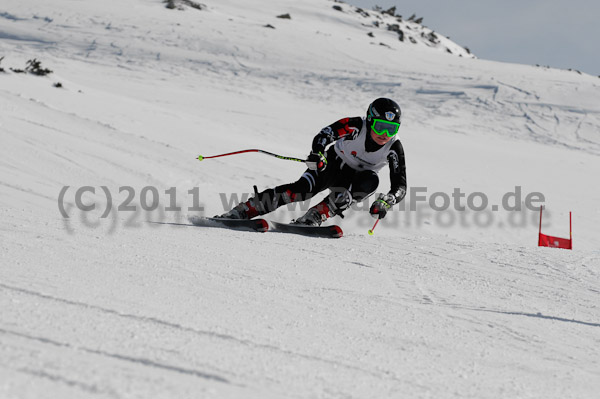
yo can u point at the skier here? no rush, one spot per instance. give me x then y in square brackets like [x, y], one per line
[348, 168]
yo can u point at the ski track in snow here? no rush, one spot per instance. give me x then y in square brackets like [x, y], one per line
[144, 304]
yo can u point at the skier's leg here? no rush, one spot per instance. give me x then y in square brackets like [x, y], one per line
[351, 187]
[310, 183]
[363, 185]
[358, 187]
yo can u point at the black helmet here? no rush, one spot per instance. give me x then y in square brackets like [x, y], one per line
[384, 108]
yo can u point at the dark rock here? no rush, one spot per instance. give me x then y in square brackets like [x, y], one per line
[284, 16]
[193, 4]
[363, 12]
[432, 37]
[391, 11]
[35, 67]
[179, 4]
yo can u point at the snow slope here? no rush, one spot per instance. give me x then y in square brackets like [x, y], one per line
[141, 304]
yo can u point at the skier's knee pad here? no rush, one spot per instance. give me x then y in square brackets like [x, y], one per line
[341, 199]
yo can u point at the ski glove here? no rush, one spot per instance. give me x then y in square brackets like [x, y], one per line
[381, 205]
[316, 161]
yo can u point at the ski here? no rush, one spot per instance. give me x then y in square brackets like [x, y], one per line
[259, 225]
[311, 231]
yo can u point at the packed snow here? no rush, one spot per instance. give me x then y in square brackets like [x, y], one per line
[131, 300]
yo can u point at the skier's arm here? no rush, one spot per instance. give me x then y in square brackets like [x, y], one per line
[334, 132]
[397, 171]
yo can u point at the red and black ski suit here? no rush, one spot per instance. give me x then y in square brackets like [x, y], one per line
[351, 171]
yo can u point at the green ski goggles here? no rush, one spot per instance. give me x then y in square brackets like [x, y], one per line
[381, 127]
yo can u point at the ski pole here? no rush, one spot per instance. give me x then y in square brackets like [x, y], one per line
[202, 158]
[373, 228]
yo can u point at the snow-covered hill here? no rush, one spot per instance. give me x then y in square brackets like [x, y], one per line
[141, 304]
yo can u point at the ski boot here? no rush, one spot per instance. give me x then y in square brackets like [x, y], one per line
[244, 210]
[318, 214]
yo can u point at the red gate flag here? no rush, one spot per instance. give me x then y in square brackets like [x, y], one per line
[555, 242]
